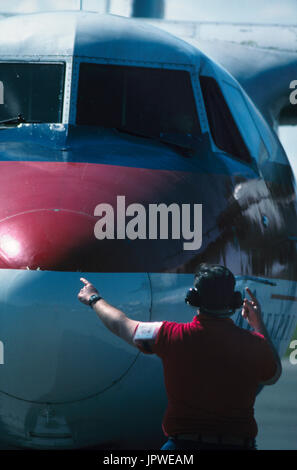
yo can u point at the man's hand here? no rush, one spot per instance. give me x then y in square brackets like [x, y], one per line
[86, 292]
[251, 311]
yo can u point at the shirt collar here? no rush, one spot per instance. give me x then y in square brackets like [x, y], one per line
[204, 317]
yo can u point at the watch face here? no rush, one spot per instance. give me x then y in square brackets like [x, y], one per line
[92, 298]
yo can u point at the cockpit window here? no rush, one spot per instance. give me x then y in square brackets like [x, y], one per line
[223, 127]
[34, 91]
[137, 99]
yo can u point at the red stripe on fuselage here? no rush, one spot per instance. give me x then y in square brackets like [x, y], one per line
[47, 215]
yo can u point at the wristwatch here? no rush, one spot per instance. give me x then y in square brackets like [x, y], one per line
[94, 299]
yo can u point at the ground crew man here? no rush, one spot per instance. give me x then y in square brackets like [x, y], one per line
[212, 368]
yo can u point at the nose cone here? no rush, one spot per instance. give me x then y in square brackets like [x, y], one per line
[45, 239]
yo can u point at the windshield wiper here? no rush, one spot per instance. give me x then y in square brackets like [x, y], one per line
[19, 119]
[183, 143]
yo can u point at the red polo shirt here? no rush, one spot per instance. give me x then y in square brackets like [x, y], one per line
[212, 369]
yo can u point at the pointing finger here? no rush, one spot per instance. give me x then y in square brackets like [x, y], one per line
[251, 295]
[85, 281]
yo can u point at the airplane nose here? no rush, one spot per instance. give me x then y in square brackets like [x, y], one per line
[56, 350]
[45, 239]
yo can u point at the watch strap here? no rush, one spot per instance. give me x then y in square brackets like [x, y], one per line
[94, 298]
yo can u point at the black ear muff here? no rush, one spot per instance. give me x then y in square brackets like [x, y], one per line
[193, 297]
[237, 300]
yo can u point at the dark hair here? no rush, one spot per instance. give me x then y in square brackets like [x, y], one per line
[214, 289]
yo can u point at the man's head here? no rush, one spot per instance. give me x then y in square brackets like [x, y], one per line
[214, 291]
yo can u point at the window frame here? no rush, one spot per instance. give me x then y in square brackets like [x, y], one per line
[139, 65]
[65, 73]
[251, 160]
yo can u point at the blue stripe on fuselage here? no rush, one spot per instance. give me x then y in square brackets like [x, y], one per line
[71, 144]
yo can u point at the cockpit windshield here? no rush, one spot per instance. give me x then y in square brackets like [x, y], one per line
[143, 100]
[32, 91]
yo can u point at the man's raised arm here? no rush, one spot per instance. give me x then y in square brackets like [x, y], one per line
[251, 311]
[133, 332]
[114, 319]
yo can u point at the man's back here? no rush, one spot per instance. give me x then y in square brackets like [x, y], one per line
[212, 369]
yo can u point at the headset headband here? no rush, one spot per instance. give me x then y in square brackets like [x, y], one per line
[210, 279]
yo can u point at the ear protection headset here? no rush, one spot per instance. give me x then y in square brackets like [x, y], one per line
[208, 280]
[193, 298]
